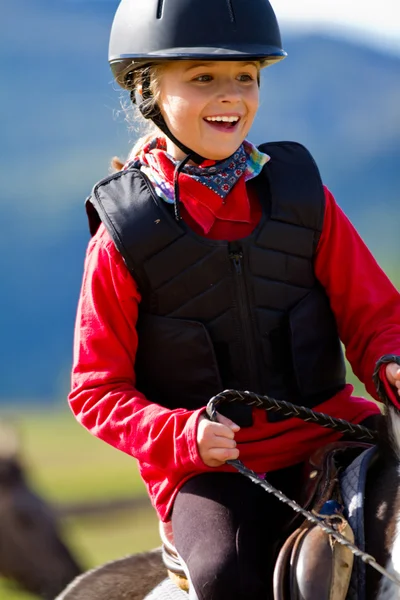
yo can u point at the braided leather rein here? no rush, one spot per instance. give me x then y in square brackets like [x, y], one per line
[290, 410]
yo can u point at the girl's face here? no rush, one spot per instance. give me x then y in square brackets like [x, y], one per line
[209, 106]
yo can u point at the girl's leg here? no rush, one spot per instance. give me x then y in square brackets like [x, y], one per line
[225, 528]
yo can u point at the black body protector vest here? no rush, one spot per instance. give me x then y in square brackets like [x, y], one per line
[247, 315]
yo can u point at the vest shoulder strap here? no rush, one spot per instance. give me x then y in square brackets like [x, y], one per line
[297, 193]
[132, 214]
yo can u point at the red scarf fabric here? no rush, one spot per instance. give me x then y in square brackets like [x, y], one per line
[203, 208]
[202, 204]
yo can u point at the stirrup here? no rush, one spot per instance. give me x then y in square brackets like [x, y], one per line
[171, 558]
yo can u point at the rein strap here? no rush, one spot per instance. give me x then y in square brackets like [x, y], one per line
[288, 409]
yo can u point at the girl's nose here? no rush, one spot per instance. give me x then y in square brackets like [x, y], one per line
[229, 91]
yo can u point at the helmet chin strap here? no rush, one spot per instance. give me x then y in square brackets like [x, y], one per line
[157, 118]
[154, 114]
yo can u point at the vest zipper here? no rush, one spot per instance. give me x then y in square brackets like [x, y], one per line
[236, 257]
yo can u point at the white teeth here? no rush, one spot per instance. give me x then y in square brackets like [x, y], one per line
[224, 119]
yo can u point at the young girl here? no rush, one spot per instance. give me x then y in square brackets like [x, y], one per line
[215, 264]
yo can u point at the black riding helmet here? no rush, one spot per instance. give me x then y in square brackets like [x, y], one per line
[148, 31]
[145, 31]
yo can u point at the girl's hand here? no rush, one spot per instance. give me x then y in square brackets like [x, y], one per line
[393, 375]
[215, 441]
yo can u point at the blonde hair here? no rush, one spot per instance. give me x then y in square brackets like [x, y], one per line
[133, 115]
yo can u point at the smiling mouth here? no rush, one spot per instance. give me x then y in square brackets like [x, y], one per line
[223, 123]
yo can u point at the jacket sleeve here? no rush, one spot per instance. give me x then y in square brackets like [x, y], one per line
[364, 301]
[103, 396]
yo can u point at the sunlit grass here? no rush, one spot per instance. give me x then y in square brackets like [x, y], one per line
[97, 540]
[9, 591]
[66, 463]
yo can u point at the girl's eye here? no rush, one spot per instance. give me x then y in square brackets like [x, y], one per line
[245, 77]
[203, 78]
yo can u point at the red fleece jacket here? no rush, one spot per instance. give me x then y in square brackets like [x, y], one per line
[106, 402]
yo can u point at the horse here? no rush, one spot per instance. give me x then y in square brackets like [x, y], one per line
[133, 577]
[32, 552]
[382, 510]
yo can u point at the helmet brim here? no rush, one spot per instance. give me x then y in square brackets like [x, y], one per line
[123, 64]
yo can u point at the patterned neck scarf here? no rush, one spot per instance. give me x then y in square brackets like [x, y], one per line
[203, 189]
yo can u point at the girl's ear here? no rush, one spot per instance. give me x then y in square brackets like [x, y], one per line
[139, 89]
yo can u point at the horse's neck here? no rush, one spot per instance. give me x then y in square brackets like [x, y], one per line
[382, 510]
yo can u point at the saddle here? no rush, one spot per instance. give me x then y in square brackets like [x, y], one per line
[310, 564]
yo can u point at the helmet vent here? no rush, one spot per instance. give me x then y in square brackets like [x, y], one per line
[160, 8]
[231, 11]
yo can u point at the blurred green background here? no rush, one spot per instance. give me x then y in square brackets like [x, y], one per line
[68, 467]
[62, 119]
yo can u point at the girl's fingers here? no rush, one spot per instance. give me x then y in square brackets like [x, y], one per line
[216, 441]
[227, 422]
[212, 429]
[223, 454]
[393, 373]
[222, 442]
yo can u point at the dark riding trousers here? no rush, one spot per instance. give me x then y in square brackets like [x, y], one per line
[227, 530]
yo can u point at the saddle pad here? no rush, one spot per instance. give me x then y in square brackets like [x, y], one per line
[352, 484]
[167, 590]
